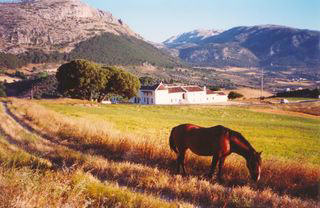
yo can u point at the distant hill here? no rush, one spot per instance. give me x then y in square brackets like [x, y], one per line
[190, 38]
[269, 46]
[52, 30]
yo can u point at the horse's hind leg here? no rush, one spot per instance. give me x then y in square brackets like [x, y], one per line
[221, 162]
[180, 161]
[213, 167]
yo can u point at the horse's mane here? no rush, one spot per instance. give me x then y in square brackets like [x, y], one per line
[240, 137]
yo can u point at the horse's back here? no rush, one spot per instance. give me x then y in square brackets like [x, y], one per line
[202, 141]
[185, 128]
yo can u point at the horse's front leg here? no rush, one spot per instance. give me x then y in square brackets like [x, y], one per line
[214, 164]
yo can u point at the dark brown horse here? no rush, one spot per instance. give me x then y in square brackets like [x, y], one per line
[217, 141]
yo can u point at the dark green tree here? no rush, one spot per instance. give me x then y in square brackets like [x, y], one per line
[80, 79]
[214, 88]
[233, 95]
[86, 80]
[147, 81]
[119, 82]
[2, 90]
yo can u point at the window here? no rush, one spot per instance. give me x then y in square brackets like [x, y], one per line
[151, 100]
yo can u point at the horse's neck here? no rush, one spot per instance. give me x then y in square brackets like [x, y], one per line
[239, 147]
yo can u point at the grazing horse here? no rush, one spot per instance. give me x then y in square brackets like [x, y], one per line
[217, 141]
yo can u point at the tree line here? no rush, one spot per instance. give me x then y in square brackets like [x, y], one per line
[304, 93]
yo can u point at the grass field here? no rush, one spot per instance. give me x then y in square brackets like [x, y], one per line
[280, 136]
[75, 142]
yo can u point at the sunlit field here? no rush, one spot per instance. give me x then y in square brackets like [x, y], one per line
[109, 155]
[280, 136]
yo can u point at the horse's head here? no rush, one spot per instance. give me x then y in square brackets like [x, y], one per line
[254, 166]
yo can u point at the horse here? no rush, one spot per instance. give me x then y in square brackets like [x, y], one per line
[218, 142]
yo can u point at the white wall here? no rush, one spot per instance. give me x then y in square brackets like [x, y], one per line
[163, 97]
[216, 98]
[196, 97]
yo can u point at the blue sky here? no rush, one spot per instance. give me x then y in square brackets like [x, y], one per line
[157, 20]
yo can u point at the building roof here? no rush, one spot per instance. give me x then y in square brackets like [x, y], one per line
[193, 88]
[176, 89]
[153, 87]
[211, 92]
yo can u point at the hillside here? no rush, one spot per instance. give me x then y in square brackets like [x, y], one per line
[53, 30]
[268, 46]
[52, 25]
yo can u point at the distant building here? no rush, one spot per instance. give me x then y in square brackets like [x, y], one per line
[284, 101]
[178, 94]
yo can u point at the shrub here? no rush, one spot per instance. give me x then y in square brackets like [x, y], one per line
[2, 71]
[42, 75]
[233, 95]
[2, 90]
[214, 88]
[20, 75]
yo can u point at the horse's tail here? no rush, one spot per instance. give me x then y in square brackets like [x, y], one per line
[171, 142]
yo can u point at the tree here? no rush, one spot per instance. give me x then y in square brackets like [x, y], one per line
[86, 80]
[233, 95]
[147, 81]
[214, 88]
[80, 79]
[2, 90]
[120, 83]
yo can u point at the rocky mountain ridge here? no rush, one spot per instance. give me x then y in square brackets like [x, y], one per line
[270, 46]
[190, 38]
[52, 25]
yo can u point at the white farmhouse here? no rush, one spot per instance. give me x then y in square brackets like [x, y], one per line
[174, 94]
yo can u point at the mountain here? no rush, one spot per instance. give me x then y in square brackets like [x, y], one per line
[50, 30]
[190, 38]
[270, 46]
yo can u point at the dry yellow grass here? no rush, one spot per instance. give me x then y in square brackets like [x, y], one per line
[251, 93]
[138, 162]
[312, 108]
[8, 79]
[67, 167]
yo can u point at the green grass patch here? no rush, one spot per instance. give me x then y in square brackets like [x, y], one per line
[281, 136]
[297, 98]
